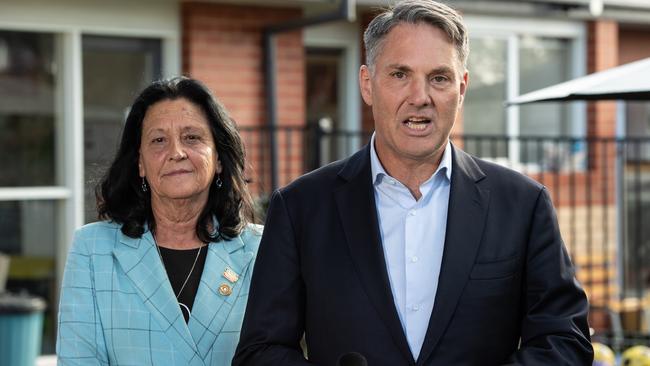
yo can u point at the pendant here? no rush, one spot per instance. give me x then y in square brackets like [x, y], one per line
[184, 309]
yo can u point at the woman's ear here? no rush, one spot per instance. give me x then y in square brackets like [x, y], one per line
[141, 167]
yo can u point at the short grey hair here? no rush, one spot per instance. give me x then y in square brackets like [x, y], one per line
[414, 12]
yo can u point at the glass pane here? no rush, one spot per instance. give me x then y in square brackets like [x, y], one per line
[637, 124]
[636, 256]
[115, 70]
[637, 119]
[28, 74]
[544, 62]
[483, 111]
[32, 254]
[322, 100]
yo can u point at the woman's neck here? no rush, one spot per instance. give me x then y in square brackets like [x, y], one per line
[176, 223]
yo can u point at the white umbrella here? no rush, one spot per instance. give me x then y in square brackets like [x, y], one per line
[626, 82]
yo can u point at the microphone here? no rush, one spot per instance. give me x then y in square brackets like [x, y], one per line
[352, 359]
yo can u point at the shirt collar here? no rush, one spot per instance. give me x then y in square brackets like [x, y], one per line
[378, 170]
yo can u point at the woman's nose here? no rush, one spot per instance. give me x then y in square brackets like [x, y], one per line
[177, 151]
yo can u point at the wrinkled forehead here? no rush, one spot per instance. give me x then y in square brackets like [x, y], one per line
[174, 111]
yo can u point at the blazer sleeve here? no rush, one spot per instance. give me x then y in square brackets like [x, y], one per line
[274, 320]
[80, 338]
[554, 323]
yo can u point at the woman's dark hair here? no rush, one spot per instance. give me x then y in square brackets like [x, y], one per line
[120, 197]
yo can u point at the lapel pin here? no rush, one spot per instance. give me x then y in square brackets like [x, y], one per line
[225, 290]
[230, 275]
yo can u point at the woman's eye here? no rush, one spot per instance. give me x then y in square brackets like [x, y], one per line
[192, 137]
[158, 140]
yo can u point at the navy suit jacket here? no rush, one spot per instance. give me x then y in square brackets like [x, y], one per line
[507, 294]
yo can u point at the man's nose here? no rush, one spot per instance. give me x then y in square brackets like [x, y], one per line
[419, 93]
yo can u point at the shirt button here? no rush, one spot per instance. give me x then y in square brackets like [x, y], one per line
[414, 259]
[415, 308]
[412, 213]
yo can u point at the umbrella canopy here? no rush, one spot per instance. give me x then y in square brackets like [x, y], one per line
[626, 82]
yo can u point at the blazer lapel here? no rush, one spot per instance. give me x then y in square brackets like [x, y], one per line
[468, 207]
[356, 205]
[140, 261]
[212, 307]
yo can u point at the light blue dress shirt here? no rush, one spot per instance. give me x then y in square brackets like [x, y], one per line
[413, 237]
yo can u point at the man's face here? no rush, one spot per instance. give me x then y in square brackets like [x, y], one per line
[415, 89]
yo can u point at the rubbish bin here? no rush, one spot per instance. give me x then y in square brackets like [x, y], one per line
[21, 329]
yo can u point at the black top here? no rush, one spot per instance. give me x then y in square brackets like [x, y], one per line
[178, 263]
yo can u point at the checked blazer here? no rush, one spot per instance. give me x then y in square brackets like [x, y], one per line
[117, 306]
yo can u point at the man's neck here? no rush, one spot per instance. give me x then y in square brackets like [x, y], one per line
[410, 172]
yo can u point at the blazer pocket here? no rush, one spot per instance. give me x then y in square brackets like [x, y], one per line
[495, 269]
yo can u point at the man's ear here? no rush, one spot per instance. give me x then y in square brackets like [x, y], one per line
[464, 83]
[365, 84]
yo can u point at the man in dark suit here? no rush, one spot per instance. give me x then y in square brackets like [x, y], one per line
[412, 252]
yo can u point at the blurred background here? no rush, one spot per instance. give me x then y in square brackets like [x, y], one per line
[287, 72]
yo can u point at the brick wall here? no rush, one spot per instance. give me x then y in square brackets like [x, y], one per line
[222, 46]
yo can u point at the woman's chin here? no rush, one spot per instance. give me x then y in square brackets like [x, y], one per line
[182, 194]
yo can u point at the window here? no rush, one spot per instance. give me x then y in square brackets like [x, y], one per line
[509, 63]
[28, 74]
[68, 71]
[483, 111]
[115, 70]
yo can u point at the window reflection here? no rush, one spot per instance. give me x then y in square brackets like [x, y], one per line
[115, 70]
[483, 112]
[27, 115]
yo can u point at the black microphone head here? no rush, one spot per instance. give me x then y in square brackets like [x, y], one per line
[352, 359]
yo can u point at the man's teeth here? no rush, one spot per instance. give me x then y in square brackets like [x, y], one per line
[417, 123]
[415, 126]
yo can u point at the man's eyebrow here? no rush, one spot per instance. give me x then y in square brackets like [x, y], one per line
[438, 70]
[399, 67]
[442, 70]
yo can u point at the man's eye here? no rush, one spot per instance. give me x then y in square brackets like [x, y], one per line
[439, 79]
[399, 74]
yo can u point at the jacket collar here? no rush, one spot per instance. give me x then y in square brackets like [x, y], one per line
[139, 259]
[468, 203]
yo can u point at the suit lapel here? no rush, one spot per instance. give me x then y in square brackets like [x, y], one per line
[356, 205]
[468, 207]
[212, 308]
[139, 259]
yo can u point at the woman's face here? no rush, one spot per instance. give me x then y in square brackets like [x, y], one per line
[178, 156]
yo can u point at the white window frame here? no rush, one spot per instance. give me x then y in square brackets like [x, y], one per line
[68, 21]
[511, 29]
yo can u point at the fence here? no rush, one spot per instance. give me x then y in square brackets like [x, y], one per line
[600, 188]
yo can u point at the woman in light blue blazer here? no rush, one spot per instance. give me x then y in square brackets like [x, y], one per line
[163, 279]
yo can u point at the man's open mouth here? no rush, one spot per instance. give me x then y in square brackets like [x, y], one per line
[417, 123]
